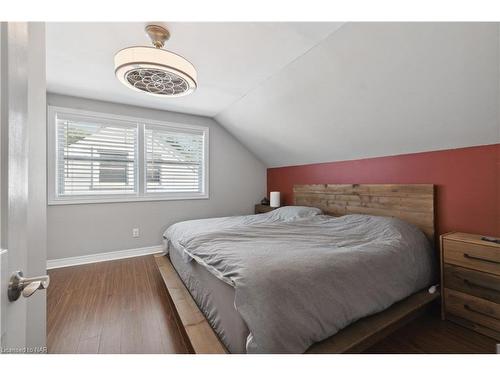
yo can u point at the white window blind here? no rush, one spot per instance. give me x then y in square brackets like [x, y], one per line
[174, 160]
[95, 157]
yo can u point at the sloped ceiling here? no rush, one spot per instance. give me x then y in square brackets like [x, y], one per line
[297, 93]
[373, 90]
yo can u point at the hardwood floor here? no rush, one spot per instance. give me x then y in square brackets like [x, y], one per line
[431, 335]
[111, 307]
[122, 307]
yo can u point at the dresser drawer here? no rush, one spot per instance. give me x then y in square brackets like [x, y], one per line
[474, 326]
[469, 255]
[479, 284]
[477, 310]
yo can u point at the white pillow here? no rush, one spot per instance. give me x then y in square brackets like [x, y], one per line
[288, 213]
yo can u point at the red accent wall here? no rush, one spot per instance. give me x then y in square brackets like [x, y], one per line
[467, 182]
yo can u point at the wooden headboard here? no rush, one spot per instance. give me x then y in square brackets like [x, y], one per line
[412, 203]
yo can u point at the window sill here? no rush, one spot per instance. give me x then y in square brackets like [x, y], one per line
[147, 198]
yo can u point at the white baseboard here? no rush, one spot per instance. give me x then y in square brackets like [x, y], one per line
[103, 257]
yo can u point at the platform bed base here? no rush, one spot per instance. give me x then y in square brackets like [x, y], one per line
[201, 338]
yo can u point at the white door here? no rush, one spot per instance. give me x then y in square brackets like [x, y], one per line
[23, 182]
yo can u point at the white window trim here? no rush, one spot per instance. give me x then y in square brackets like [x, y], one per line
[140, 196]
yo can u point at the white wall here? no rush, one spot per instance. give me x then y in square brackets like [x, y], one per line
[375, 89]
[237, 182]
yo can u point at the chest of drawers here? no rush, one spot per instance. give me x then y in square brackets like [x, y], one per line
[470, 281]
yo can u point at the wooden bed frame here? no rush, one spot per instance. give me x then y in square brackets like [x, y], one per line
[412, 203]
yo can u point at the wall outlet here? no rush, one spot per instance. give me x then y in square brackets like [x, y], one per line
[135, 232]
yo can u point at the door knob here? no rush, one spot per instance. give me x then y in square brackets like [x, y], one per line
[25, 285]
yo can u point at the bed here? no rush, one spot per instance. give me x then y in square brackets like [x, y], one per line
[344, 279]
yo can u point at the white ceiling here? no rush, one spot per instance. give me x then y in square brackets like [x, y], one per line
[297, 93]
[231, 59]
[376, 89]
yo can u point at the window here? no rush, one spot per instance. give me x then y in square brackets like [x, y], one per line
[106, 158]
[95, 156]
[174, 160]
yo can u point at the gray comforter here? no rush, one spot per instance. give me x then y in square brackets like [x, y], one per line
[299, 282]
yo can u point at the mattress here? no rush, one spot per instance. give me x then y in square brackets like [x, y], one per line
[215, 299]
[278, 284]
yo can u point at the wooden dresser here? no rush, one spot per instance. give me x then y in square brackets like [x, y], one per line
[470, 282]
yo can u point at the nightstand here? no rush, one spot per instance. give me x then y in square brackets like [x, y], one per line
[261, 208]
[470, 282]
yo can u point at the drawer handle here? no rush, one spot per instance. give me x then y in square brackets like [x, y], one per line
[481, 259]
[467, 307]
[470, 283]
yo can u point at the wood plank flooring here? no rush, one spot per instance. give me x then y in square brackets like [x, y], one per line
[122, 307]
[431, 335]
[111, 307]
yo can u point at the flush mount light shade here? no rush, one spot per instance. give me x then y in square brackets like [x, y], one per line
[155, 71]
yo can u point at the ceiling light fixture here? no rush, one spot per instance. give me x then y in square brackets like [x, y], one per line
[154, 70]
